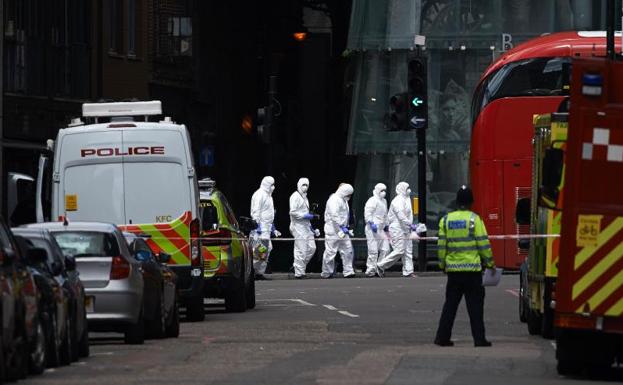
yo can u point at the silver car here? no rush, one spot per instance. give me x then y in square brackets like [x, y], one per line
[112, 277]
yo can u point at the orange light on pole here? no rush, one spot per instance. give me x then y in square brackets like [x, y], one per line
[299, 36]
[247, 124]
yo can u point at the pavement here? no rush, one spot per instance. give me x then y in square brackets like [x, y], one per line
[337, 331]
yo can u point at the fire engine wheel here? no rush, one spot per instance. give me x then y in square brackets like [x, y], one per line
[534, 322]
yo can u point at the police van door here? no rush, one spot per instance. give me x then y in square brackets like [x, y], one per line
[91, 164]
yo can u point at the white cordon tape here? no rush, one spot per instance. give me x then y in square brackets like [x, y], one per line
[413, 237]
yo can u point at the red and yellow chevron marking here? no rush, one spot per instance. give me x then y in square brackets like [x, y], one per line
[216, 259]
[598, 272]
[554, 219]
[173, 237]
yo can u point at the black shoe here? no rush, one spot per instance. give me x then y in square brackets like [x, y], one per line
[262, 277]
[483, 343]
[300, 276]
[444, 343]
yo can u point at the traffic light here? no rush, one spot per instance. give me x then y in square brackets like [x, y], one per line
[418, 95]
[398, 109]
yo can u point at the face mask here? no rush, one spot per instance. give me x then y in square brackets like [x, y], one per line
[347, 198]
[408, 191]
[383, 194]
[304, 188]
[272, 188]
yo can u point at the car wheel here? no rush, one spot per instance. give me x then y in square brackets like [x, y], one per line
[251, 292]
[37, 352]
[83, 344]
[75, 341]
[235, 297]
[157, 326]
[67, 344]
[17, 366]
[135, 334]
[52, 345]
[195, 311]
[173, 329]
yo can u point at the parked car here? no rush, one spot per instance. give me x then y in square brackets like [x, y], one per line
[63, 268]
[22, 339]
[159, 279]
[111, 276]
[53, 303]
[228, 260]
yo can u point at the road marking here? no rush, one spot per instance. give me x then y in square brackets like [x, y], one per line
[330, 307]
[301, 301]
[351, 315]
[103, 354]
[514, 292]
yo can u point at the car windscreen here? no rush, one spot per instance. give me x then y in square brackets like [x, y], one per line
[87, 244]
[530, 77]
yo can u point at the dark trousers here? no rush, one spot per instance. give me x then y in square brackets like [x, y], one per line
[468, 284]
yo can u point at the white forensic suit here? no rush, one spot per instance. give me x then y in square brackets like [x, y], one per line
[301, 228]
[337, 235]
[375, 215]
[263, 212]
[400, 225]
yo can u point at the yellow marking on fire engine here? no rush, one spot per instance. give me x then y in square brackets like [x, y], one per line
[165, 244]
[597, 270]
[603, 293]
[602, 238]
[616, 310]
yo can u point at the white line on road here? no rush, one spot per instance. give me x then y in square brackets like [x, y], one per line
[330, 307]
[102, 354]
[351, 315]
[513, 292]
[301, 301]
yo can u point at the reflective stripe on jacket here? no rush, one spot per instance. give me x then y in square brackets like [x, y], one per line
[463, 243]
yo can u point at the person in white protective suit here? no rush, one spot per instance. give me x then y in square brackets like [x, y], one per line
[263, 212]
[301, 228]
[400, 227]
[337, 234]
[375, 215]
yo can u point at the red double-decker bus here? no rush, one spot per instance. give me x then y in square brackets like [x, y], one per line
[527, 80]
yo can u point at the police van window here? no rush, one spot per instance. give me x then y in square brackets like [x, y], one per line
[530, 77]
[209, 215]
[231, 217]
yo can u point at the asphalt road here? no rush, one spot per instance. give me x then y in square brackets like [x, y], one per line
[339, 331]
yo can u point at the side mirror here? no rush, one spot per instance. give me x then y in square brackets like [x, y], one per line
[164, 257]
[247, 224]
[70, 263]
[142, 256]
[37, 256]
[549, 190]
[522, 211]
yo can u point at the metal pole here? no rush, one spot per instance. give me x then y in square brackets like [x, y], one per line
[2, 179]
[610, 20]
[421, 151]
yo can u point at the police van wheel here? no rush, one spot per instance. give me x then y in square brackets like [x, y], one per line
[251, 292]
[235, 298]
[195, 311]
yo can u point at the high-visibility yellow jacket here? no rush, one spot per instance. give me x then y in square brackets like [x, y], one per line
[463, 243]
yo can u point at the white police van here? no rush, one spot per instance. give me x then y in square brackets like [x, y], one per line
[123, 169]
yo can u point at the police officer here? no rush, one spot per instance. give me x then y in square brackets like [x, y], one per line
[463, 248]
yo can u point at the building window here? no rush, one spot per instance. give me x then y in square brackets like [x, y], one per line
[115, 26]
[177, 39]
[132, 27]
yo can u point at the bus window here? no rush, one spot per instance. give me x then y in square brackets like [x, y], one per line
[531, 77]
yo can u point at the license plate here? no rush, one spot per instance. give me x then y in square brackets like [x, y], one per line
[88, 304]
